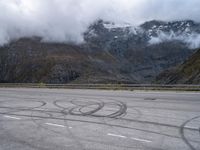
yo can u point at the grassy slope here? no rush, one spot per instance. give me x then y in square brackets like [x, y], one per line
[187, 73]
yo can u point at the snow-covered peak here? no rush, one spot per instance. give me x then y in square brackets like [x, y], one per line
[152, 32]
[109, 25]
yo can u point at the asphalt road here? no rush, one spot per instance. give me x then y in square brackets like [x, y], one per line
[59, 119]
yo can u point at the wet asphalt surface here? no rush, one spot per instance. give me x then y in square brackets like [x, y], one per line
[61, 119]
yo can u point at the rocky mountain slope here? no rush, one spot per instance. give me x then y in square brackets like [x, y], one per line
[111, 53]
[187, 73]
[106, 34]
[146, 50]
[29, 60]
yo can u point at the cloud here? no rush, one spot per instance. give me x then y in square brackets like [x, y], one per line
[162, 37]
[66, 20]
[191, 40]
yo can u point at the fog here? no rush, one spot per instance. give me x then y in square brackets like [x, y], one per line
[191, 40]
[66, 20]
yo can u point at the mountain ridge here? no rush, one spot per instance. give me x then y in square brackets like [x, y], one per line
[110, 54]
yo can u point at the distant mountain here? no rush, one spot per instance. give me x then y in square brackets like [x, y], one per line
[187, 73]
[103, 34]
[111, 53]
[146, 50]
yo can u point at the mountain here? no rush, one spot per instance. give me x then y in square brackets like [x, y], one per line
[146, 50]
[106, 34]
[111, 53]
[30, 60]
[187, 73]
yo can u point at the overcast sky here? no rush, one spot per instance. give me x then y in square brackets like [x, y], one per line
[66, 20]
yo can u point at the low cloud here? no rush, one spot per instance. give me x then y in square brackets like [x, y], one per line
[66, 20]
[192, 40]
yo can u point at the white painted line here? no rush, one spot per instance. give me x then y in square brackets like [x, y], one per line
[191, 128]
[70, 127]
[56, 125]
[141, 140]
[11, 117]
[121, 136]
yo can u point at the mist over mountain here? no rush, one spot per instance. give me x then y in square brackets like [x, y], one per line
[110, 53]
[149, 33]
[66, 21]
[117, 41]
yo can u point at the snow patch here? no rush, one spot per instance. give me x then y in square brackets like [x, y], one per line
[116, 37]
[92, 33]
[154, 27]
[114, 25]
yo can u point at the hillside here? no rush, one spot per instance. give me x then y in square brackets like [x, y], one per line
[29, 60]
[187, 73]
[111, 53]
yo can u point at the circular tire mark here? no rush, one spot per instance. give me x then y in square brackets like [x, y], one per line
[10, 107]
[92, 108]
[183, 133]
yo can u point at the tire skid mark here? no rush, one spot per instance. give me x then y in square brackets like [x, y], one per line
[100, 123]
[77, 110]
[78, 107]
[74, 137]
[182, 133]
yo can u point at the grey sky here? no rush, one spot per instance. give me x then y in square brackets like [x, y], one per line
[66, 20]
